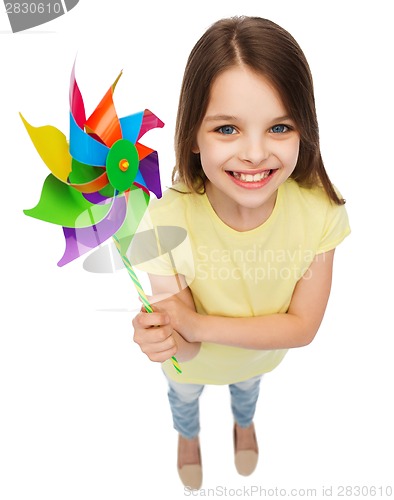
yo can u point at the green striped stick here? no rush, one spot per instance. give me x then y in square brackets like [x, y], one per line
[140, 291]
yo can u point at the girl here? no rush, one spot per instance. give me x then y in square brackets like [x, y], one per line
[262, 221]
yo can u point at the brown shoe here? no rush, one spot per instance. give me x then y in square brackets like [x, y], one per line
[189, 462]
[246, 452]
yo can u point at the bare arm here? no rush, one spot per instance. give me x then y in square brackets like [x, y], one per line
[295, 328]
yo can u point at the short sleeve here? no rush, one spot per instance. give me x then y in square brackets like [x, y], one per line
[336, 227]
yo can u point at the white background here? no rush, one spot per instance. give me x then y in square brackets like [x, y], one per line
[83, 414]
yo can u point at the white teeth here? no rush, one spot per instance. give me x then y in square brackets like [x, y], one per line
[250, 177]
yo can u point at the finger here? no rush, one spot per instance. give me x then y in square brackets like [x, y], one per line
[160, 351]
[147, 320]
[158, 347]
[153, 335]
[163, 356]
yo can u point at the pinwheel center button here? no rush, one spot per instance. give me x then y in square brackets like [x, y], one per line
[122, 164]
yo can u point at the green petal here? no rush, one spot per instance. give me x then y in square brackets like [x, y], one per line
[108, 191]
[81, 173]
[61, 204]
[137, 204]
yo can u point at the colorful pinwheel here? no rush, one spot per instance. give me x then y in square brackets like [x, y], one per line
[101, 180]
[95, 176]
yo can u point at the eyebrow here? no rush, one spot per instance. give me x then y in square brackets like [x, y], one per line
[282, 118]
[220, 118]
[232, 118]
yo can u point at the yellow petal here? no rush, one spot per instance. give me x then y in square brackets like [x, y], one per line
[52, 146]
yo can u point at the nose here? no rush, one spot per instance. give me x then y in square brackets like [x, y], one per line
[254, 150]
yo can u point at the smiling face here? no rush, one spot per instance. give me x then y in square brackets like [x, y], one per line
[248, 147]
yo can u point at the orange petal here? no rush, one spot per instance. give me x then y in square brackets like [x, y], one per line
[104, 121]
[92, 186]
[143, 151]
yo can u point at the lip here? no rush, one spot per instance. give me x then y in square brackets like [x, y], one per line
[251, 185]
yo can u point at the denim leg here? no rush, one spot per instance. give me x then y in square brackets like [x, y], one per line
[184, 403]
[244, 397]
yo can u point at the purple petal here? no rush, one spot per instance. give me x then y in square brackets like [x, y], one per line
[81, 240]
[149, 168]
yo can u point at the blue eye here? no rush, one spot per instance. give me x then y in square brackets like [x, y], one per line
[226, 130]
[280, 129]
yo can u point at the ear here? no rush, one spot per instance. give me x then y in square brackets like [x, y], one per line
[195, 149]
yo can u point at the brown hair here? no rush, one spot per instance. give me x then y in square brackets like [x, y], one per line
[271, 51]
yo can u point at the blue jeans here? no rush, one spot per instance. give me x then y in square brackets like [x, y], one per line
[184, 403]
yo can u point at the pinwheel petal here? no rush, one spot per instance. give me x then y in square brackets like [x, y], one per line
[149, 122]
[63, 205]
[87, 179]
[84, 148]
[143, 151]
[52, 146]
[77, 106]
[137, 204]
[104, 121]
[106, 258]
[81, 240]
[101, 197]
[149, 168]
[92, 186]
[131, 126]
[139, 181]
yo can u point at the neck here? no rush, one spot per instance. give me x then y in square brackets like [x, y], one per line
[238, 217]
